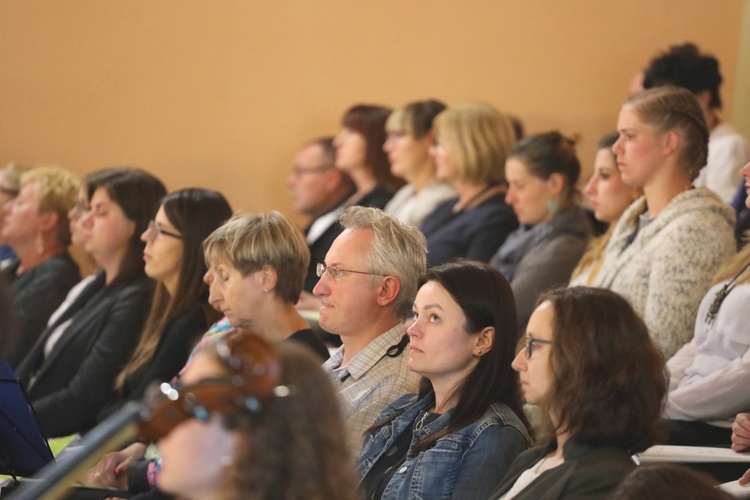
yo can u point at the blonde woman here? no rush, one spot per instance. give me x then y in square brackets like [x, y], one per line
[473, 140]
[668, 245]
[36, 228]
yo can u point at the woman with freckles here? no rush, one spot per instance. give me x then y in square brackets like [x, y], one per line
[458, 435]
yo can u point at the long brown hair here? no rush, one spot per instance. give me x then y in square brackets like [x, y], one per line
[610, 380]
[195, 213]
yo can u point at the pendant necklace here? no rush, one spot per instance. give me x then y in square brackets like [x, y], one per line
[713, 310]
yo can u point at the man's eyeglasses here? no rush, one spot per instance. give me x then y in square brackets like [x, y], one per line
[299, 172]
[337, 274]
[529, 346]
[154, 231]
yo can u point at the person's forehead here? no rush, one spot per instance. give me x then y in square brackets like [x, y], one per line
[309, 156]
[351, 246]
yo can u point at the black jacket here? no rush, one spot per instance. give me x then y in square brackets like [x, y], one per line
[70, 386]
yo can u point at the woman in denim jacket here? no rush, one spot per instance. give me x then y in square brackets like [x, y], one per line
[457, 437]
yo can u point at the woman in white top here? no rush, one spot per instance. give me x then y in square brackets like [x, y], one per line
[409, 139]
[708, 384]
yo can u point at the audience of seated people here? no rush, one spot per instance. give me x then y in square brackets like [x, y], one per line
[455, 433]
[609, 197]
[256, 268]
[542, 171]
[36, 228]
[318, 190]
[457, 437]
[667, 246]
[70, 372]
[367, 287]
[472, 142]
[410, 138]
[180, 313]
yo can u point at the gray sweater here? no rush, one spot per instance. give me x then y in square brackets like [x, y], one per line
[667, 268]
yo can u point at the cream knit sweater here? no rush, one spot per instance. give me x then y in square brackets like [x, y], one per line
[668, 267]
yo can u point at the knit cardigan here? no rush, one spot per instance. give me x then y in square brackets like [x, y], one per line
[668, 267]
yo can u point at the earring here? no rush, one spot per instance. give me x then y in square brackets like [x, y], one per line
[39, 244]
[266, 290]
[553, 206]
[226, 461]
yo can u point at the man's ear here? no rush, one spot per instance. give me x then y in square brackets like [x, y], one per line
[388, 291]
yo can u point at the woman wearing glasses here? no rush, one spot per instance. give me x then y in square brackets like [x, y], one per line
[577, 366]
[180, 312]
[457, 437]
[71, 370]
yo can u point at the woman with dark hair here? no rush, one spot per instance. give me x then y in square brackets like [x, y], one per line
[472, 141]
[577, 366]
[667, 245]
[180, 312]
[609, 197]
[410, 138]
[542, 172]
[359, 153]
[71, 370]
[457, 437]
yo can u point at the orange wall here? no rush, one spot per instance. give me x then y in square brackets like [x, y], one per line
[220, 93]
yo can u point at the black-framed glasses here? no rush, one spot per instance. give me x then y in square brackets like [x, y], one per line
[337, 273]
[529, 346]
[154, 231]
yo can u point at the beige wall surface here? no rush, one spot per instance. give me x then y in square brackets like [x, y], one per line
[221, 93]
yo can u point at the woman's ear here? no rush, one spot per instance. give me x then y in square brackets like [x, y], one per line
[556, 183]
[269, 276]
[485, 340]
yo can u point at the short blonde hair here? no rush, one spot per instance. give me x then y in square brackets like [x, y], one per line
[248, 242]
[480, 138]
[399, 250]
[13, 172]
[58, 192]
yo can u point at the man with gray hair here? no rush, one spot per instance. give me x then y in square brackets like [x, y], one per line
[367, 287]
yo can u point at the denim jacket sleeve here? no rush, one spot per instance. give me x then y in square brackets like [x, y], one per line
[468, 463]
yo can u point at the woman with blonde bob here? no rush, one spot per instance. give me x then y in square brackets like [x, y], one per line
[667, 245]
[577, 366]
[473, 140]
[36, 228]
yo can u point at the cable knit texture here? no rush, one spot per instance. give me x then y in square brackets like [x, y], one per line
[668, 267]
